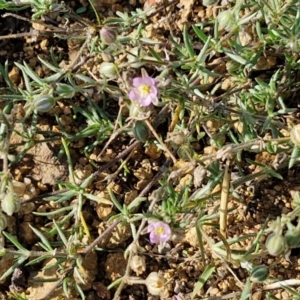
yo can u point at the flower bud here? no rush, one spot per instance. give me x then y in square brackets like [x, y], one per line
[65, 90]
[108, 35]
[226, 20]
[154, 283]
[292, 238]
[138, 264]
[232, 66]
[10, 204]
[275, 244]
[259, 274]
[140, 131]
[295, 135]
[43, 103]
[108, 70]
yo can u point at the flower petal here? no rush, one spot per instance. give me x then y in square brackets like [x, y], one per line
[137, 81]
[146, 101]
[134, 95]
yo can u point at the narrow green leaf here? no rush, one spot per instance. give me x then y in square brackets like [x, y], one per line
[246, 294]
[42, 238]
[15, 242]
[201, 35]
[188, 43]
[61, 234]
[294, 156]
[202, 279]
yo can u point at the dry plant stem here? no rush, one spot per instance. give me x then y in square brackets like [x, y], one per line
[160, 141]
[101, 236]
[281, 284]
[224, 199]
[141, 227]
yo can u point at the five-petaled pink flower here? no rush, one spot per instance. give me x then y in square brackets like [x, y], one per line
[144, 91]
[160, 232]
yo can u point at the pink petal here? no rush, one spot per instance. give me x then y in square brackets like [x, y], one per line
[137, 81]
[149, 81]
[133, 95]
[146, 101]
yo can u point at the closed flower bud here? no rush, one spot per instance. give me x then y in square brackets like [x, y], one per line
[275, 244]
[259, 274]
[140, 131]
[154, 283]
[108, 69]
[108, 35]
[43, 103]
[10, 204]
[295, 135]
[232, 66]
[138, 264]
[65, 90]
[292, 238]
[226, 20]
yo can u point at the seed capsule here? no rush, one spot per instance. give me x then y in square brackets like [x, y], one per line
[140, 131]
[10, 204]
[292, 238]
[108, 70]
[259, 274]
[43, 103]
[226, 20]
[275, 244]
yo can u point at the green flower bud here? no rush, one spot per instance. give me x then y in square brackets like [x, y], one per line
[259, 274]
[43, 103]
[275, 244]
[295, 135]
[226, 20]
[292, 238]
[108, 70]
[10, 204]
[108, 35]
[232, 66]
[140, 131]
[65, 90]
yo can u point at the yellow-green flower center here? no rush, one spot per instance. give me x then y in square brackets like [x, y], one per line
[159, 230]
[144, 89]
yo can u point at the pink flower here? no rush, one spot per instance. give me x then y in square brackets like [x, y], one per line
[144, 91]
[160, 232]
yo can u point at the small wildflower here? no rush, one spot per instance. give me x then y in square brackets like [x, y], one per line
[154, 283]
[144, 90]
[160, 232]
